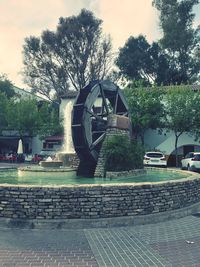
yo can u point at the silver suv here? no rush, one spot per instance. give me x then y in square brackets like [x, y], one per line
[191, 162]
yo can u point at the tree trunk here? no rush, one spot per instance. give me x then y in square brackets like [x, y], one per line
[142, 138]
[176, 149]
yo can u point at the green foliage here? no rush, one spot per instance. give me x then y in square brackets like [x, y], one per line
[175, 58]
[146, 109]
[6, 86]
[121, 154]
[138, 60]
[180, 40]
[183, 113]
[76, 53]
[49, 121]
[28, 117]
[23, 116]
[3, 106]
[180, 109]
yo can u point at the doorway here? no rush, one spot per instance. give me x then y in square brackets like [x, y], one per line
[187, 149]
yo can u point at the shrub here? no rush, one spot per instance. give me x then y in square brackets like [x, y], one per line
[121, 154]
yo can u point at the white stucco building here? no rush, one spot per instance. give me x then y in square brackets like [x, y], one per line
[165, 143]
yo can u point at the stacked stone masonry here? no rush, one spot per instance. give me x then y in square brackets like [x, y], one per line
[100, 171]
[96, 201]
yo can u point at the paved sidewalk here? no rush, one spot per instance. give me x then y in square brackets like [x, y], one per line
[173, 243]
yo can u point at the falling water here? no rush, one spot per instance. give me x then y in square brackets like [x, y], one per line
[68, 144]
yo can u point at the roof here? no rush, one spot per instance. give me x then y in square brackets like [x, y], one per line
[70, 94]
[54, 138]
[22, 92]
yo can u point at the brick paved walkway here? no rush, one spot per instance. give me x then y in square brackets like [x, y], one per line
[174, 243]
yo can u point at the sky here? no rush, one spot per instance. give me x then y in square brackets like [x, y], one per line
[24, 18]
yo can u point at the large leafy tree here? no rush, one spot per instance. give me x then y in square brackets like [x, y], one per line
[6, 86]
[182, 109]
[23, 116]
[74, 54]
[180, 40]
[3, 107]
[146, 109]
[49, 122]
[32, 118]
[138, 60]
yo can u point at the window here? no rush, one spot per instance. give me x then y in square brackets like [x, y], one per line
[154, 155]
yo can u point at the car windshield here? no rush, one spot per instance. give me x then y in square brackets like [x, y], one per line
[197, 157]
[154, 155]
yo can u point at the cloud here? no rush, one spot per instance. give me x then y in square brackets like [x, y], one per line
[23, 18]
[129, 17]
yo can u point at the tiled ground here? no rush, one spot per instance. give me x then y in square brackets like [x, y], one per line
[174, 243]
[20, 248]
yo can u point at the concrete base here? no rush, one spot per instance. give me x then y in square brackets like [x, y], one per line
[51, 164]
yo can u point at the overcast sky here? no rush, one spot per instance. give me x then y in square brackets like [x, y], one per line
[23, 18]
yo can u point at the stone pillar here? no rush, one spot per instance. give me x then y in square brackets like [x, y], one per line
[117, 125]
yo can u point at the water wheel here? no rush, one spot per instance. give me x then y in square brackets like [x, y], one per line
[90, 114]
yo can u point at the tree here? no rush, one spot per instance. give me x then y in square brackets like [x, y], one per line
[50, 124]
[32, 118]
[23, 116]
[3, 107]
[6, 86]
[182, 109]
[74, 54]
[138, 60]
[146, 109]
[180, 39]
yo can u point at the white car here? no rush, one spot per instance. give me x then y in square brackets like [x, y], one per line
[191, 161]
[155, 158]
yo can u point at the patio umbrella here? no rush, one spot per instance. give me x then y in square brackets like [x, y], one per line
[20, 147]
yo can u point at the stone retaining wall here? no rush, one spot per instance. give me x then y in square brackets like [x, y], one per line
[100, 171]
[97, 201]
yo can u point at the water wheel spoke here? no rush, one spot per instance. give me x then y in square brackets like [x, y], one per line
[116, 101]
[97, 141]
[95, 115]
[104, 102]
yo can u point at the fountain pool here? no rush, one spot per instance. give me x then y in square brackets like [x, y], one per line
[43, 196]
[51, 178]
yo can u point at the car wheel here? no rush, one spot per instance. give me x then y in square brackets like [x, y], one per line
[193, 168]
[182, 168]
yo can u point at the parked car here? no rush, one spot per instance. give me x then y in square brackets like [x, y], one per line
[155, 158]
[191, 161]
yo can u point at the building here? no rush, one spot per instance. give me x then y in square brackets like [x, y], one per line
[154, 141]
[165, 142]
